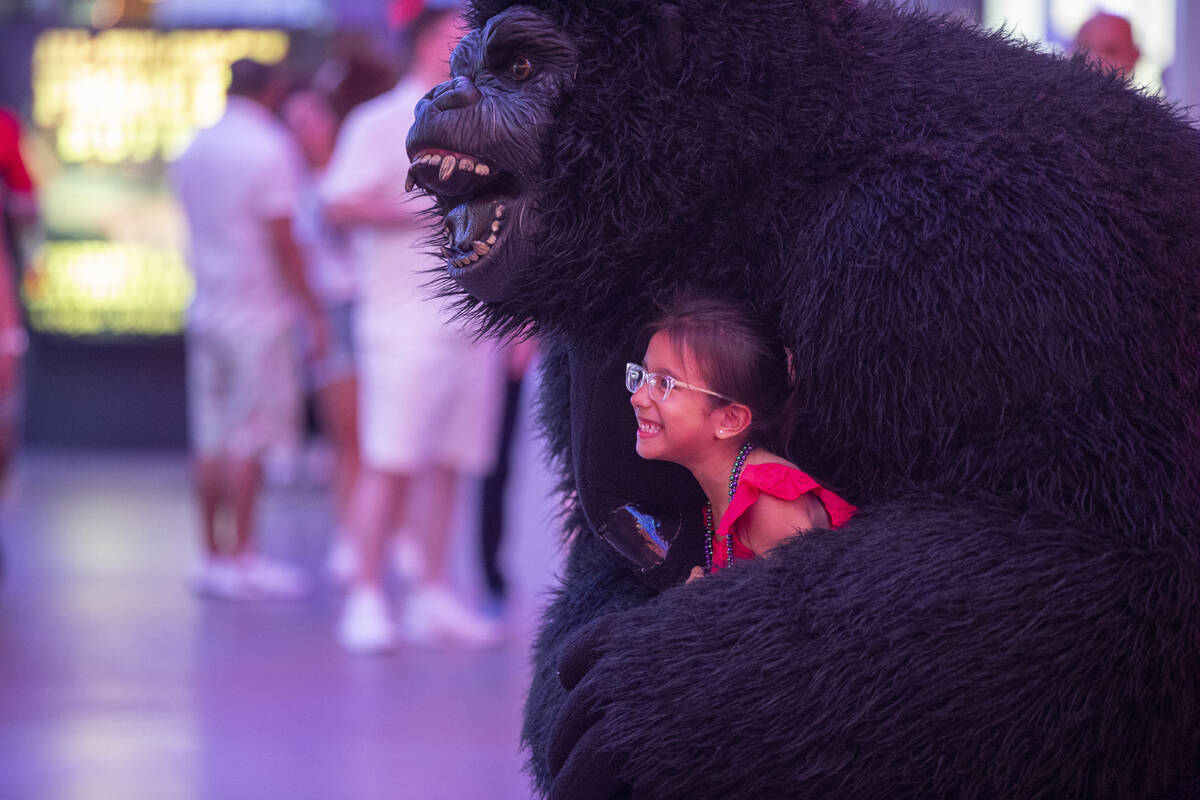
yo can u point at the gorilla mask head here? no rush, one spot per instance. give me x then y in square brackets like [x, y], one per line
[475, 146]
[586, 157]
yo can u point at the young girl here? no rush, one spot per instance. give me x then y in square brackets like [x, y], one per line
[710, 395]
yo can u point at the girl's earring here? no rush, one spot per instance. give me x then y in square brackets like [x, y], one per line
[720, 431]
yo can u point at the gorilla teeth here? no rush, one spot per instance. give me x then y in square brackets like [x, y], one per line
[496, 226]
[491, 239]
[409, 183]
[481, 248]
[450, 163]
[500, 211]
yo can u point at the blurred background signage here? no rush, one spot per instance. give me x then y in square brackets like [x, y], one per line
[111, 109]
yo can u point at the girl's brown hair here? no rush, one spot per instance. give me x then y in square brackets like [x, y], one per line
[738, 354]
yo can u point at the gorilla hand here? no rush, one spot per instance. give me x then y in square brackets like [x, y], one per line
[921, 619]
[582, 768]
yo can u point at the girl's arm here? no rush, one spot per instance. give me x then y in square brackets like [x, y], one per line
[772, 520]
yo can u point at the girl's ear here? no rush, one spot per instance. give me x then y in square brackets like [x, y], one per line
[731, 420]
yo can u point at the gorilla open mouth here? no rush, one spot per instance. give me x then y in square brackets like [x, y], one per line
[476, 146]
[476, 201]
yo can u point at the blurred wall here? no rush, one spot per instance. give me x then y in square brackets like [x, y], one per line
[16, 58]
[1183, 81]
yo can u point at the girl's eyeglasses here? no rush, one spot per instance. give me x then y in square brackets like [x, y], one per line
[660, 386]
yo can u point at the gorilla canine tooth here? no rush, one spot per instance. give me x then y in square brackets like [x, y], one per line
[481, 169]
[481, 248]
[448, 165]
[409, 183]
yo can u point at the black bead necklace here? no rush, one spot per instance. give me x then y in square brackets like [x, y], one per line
[734, 476]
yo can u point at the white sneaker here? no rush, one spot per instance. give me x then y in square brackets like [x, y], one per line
[365, 626]
[222, 578]
[273, 578]
[434, 616]
[341, 565]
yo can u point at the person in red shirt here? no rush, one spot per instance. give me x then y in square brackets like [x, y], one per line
[12, 346]
[712, 394]
[16, 186]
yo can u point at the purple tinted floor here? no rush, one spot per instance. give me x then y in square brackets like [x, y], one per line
[115, 682]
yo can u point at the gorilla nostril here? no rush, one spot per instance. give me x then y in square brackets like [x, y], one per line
[457, 93]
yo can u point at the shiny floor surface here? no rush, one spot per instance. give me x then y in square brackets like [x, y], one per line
[117, 684]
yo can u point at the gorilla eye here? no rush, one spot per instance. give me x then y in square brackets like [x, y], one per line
[521, 68]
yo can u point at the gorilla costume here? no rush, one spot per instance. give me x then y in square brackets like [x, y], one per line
[986, 261]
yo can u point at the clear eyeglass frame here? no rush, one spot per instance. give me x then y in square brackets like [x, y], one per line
[661, 386]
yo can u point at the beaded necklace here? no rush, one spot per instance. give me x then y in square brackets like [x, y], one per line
[735, 475]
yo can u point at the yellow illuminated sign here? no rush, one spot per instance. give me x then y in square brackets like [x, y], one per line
[137, 95]
[88, 288]
[114, 107]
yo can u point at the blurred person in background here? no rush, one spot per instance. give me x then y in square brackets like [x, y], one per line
[17, 196]
[349, 80]
[518, 360]
[1107, 42]
[332, 275]
[238, 185]
[428, 396]
[12, 347]
[18, 211]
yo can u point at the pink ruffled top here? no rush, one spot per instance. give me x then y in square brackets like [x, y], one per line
[777, 480]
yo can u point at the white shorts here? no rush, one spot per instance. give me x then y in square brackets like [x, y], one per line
[429, 405]
[243, 392]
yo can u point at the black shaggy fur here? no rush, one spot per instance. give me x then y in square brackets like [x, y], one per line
[987, 263]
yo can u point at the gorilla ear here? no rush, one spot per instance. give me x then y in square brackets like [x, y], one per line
[669, 39]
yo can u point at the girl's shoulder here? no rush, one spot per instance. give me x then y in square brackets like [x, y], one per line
[776, 476]
[773, 476]
[760, 456]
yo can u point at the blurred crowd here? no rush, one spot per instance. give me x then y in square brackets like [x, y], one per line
[311, 275]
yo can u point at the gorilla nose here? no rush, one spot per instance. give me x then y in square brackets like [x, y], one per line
[455, 93]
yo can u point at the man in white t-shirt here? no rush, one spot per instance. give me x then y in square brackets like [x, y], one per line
[237, 183]
[429, 398]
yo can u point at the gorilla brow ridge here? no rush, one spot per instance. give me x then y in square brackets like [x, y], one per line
[528, 31]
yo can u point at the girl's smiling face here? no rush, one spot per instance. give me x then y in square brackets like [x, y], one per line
[681, 428]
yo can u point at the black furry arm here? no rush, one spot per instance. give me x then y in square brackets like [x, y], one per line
[589, 427]
[596, 583]
[932, 649]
